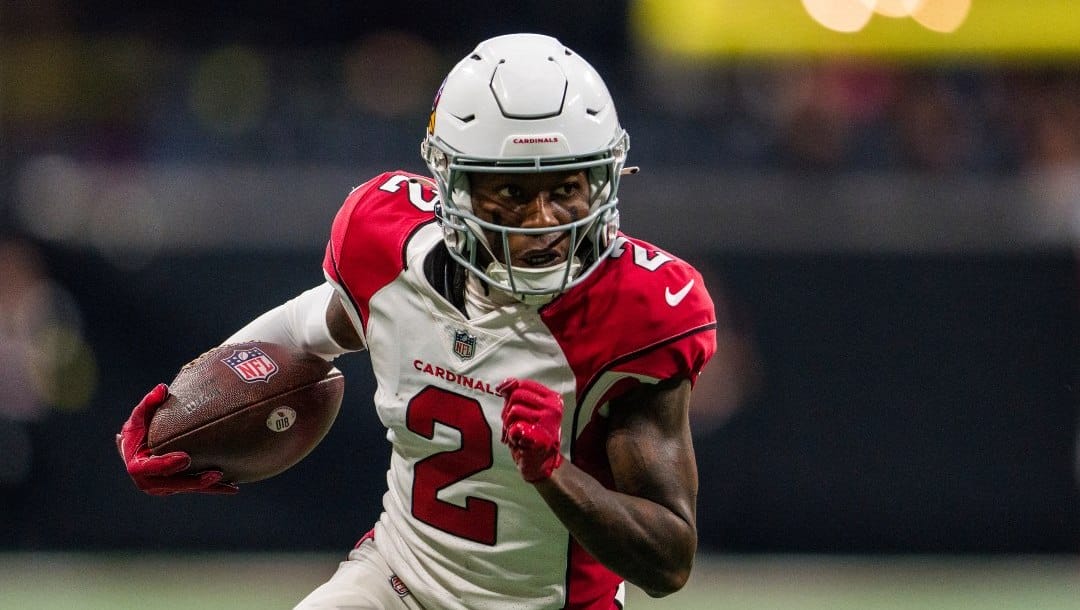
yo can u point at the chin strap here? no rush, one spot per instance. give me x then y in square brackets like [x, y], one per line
[548, 279]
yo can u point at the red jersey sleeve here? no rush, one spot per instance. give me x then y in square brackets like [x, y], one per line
[643, 312]
[366, 250]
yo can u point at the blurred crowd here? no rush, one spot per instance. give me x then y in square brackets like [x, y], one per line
[124, 93]
[46, 363]
[847, 115]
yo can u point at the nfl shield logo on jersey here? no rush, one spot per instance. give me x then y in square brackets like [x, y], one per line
[464, 344]
[251, 364]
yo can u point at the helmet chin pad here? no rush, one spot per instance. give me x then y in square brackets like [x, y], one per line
[533, 285]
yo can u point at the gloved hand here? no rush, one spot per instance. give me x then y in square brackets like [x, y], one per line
[532, 427]
[160, 475]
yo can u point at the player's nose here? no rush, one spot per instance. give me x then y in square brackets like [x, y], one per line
[541, 212]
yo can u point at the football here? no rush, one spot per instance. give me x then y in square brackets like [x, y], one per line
[251, 410]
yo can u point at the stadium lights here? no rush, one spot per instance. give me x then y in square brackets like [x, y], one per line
[840, 15]
[895, 8]
[942, 16]
[904, 30]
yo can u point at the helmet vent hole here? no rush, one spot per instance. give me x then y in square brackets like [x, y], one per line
[474, 57]
[592, 111]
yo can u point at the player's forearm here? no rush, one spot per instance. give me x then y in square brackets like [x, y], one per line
[299, 323]
[642, 541]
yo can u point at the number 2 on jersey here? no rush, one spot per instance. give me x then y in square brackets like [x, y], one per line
[476, 520]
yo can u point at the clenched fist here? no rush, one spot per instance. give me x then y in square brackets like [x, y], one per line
[532, 427]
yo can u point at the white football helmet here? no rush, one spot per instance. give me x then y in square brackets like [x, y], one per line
[525, 103]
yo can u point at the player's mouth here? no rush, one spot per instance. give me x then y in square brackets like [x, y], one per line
[539, 257]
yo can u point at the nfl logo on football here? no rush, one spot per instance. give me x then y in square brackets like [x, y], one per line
[251, 364]
[464, 344]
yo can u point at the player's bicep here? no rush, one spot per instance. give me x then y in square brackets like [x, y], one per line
[342, 328]
[650, 448]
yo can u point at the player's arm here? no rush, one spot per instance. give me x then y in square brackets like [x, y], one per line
[314, 321]
[645, 529]
[340, 325]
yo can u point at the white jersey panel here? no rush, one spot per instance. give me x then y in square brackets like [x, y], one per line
[458, 517]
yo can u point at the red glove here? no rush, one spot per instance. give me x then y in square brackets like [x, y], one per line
[159, 475]
[532, 427]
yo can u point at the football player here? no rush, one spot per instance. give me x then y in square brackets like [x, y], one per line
[534, 364]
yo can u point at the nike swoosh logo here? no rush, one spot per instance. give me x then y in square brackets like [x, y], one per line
[674, 298]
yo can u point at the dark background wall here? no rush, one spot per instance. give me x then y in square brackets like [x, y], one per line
[909, 403]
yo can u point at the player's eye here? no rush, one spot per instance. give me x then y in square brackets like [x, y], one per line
[509, 191]
[566, 189]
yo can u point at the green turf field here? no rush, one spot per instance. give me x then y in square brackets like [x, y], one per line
[237, 582]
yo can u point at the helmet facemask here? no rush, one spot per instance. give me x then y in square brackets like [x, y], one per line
[490, 130]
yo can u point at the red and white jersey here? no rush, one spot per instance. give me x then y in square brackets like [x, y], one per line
[460, 527]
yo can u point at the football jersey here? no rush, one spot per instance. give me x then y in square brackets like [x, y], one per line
[459, 525]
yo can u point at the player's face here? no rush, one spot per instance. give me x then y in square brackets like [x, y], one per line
[531, 201]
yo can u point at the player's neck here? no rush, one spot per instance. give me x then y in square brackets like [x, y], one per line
[481, 298]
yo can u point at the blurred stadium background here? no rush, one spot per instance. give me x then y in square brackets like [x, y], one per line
[884, 196]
